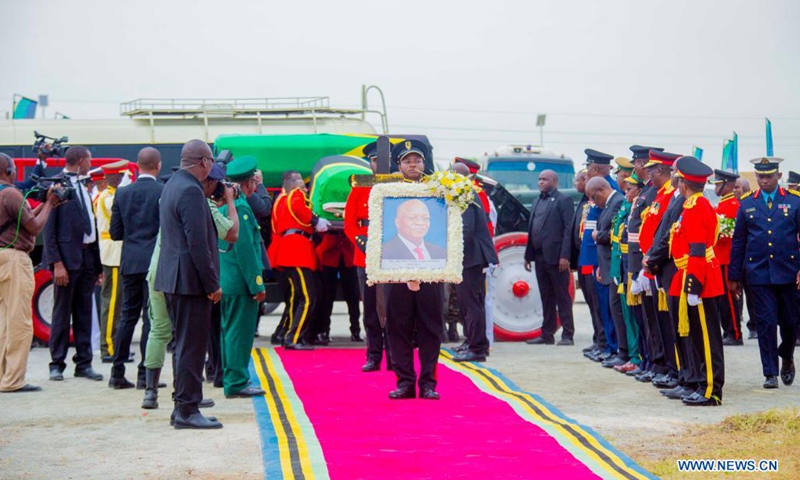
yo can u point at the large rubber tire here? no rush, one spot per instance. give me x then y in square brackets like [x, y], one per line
[42, 306]
[516, 303]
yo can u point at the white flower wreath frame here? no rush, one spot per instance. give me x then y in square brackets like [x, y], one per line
[451, 273]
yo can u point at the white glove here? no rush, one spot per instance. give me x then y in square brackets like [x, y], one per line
[644, 282]
[693, 300]
[322, 225]
[636, 289]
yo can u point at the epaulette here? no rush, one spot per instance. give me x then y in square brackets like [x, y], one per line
[669, 190]
[793, 192]
[691, 202]
[750, 193]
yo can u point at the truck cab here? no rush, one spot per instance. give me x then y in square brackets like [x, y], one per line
[517, 167]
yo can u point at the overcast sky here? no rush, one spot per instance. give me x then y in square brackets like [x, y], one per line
[472, 75]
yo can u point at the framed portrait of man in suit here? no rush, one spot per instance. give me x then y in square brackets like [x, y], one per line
[414, 234]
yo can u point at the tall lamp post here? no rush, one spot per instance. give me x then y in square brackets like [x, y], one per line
[540, 121]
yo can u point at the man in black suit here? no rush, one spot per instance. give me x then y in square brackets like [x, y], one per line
[610, 200]
[134, 220]
[479, 252]
[188, 274]
[549, 239]
[413, 221]
[72, 253]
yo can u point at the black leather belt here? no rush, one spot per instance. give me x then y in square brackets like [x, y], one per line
[363, 223]
[297, 231]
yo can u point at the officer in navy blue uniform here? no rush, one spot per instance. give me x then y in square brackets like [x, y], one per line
[766, 253]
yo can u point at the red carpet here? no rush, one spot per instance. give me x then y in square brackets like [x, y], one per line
[471, 433]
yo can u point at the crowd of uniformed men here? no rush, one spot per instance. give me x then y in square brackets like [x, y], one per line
[664, 273]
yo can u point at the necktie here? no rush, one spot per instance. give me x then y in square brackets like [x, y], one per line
[418, 251]
[769, 203]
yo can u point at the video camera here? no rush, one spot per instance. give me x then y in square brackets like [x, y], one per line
[52, 148]
[43, 184]
[222, 159]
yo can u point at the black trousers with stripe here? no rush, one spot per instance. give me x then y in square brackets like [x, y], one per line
[286, 295]
[706, 337]
[730, 310]
[688, 357]
[304, 291]
[412, 314]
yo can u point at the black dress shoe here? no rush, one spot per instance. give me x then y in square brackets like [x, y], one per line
[787, 372]
[541, 341]
[89, 373]
[371, 366]
[175, 413]
[469, 356]
[195, 421]
[590, 348]
[217, 383]
[402, 394]
[275, 339]
[131, 358]
[771, 382]
[614, 362]
[56, 375]
[356, 337]
[665, 381]
[206, 403]
[26, 388]
[677, 393]
[730, 341]
[462, 348]
[108, 359]
[298, 346]
[247, 392]
[120, 383]
[429, 394]
[697, 400]
[646, 377]
[565, 342]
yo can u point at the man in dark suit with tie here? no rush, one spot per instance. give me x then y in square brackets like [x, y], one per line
[134, 220]
[188, 274]
[413, 222]
[479, 252]
[71, 252]
[610, 200]
[549, 241]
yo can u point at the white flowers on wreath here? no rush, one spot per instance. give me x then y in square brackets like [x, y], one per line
[726, 226]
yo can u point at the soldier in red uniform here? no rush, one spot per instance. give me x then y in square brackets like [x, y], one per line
[356, 225]
[698, 283]
[730, 306]
[295, 254]
[662, 345]
[335, 254]
[280, 276]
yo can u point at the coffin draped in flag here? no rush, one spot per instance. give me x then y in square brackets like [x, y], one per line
[330, 183]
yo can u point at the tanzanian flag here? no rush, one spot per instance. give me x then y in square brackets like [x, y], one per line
[330, 183]
[24, 108]
[698, 153]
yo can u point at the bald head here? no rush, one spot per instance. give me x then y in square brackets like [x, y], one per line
[548, 181]
[742, 186]
[460, 169]
[197, 158]
[413, 220]
[598, 190]
[149, 161]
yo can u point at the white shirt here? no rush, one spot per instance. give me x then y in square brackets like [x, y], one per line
[80, 189]
[426, 255]
[146, 175]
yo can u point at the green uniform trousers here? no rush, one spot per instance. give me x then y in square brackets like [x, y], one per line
[110, 308]
[631, 330]
[239, 313]
[160, 326]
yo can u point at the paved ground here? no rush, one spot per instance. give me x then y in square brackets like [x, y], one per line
[83, 429]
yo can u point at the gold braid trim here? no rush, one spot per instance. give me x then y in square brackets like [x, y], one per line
[663, 305]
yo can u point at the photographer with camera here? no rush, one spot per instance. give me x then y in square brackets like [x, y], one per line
[72, 253]
[19, 226]
[43, 150]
